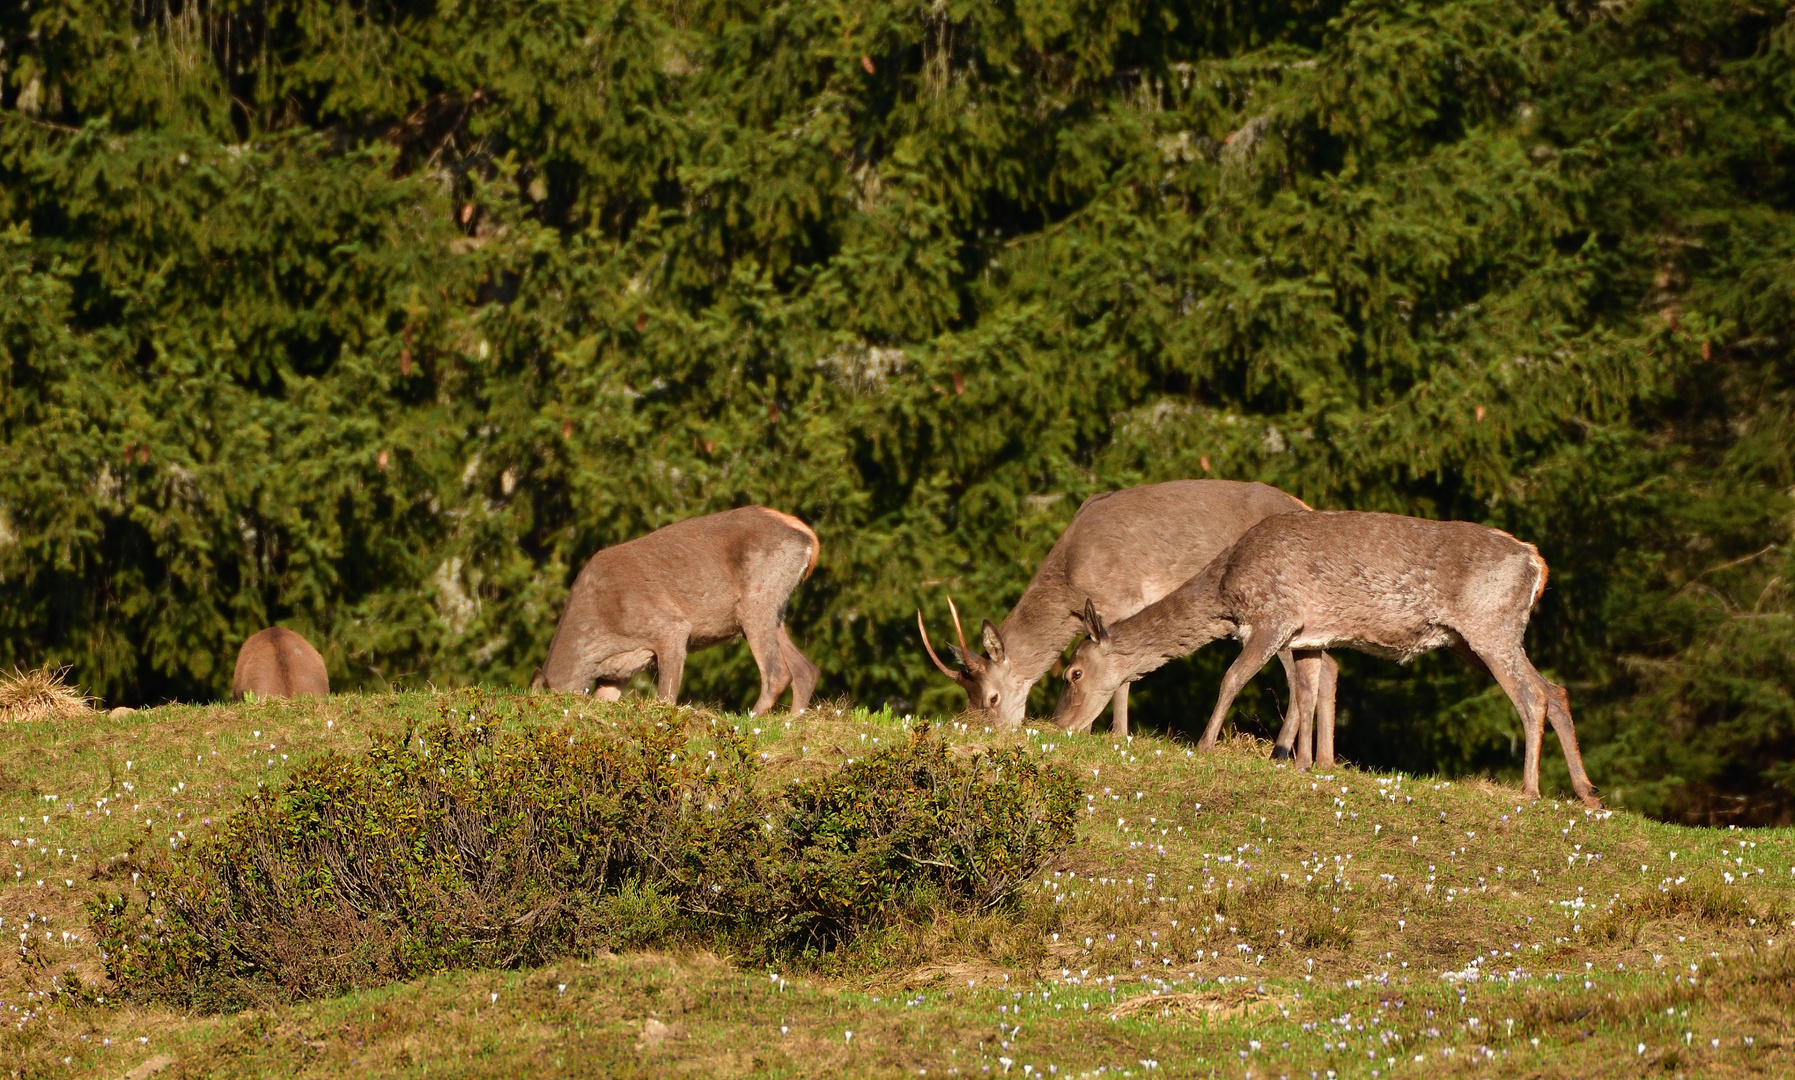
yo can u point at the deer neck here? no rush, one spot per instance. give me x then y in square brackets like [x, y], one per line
[1183, 621]
[1037, 631]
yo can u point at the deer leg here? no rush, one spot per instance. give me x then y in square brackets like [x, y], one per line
[1311, 666]
[1543, 697]
[1465, 653]
[1293, 712]
[1304, 757]
[804, 673]
[605, 691]
[1326, 685]
[1259, 647]
[1526, 689]
[1118, 712]
[764, 642]
[1558, 711]
[669, 669]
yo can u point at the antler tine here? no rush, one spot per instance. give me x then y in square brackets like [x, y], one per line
[945, 670]
[964, 651]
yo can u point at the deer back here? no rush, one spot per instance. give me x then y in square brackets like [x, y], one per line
[1126, 549]
[1385, 583]
[277, 662]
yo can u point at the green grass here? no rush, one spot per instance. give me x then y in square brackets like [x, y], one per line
[1214, 906]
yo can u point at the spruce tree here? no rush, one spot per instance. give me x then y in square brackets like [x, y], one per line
[376, 319]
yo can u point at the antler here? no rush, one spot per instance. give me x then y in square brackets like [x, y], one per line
[955, 612]
[945, 670]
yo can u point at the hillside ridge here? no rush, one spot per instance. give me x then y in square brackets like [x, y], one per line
[1218, 913]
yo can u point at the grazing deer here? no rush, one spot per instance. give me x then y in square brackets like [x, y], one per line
[1390, 586]
[690, 585]
[1122, 551]
[276, 662]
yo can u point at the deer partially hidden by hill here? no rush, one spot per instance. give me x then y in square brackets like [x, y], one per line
[1123, 551]
[1386, 585]
[690, 585]
[277, 662]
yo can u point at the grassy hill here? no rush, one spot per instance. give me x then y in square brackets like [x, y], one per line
[1218, 915]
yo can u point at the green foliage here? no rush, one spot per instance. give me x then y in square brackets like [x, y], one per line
[453, 846]
[1721, 749]
[464, 844]
[971, 830]
[378, 318]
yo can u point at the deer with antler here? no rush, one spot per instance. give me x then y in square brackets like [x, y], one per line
[1124, 550]
[1387, 585]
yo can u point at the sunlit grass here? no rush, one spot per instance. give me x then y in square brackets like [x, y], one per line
[1220, 914]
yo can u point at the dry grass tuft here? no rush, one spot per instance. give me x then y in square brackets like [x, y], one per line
[41, 694]
[1195, 1005]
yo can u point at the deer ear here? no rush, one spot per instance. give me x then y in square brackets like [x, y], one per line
[993, 642]
[1093, 625]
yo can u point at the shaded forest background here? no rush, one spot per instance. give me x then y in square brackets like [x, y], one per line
[378, 318]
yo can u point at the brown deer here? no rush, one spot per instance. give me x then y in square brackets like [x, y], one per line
[1387, 585]
[276, 662]
[1124, 550]
[690, 585]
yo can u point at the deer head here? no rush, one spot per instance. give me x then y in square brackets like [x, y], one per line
[995, 691]
[1091, 678]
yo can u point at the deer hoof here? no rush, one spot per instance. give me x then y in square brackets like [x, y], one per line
[1281, 753]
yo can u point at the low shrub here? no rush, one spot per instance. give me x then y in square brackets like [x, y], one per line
[451, 846]
[469, 846]
[920, 823]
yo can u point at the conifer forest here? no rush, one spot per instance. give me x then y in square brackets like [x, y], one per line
[376, 318]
